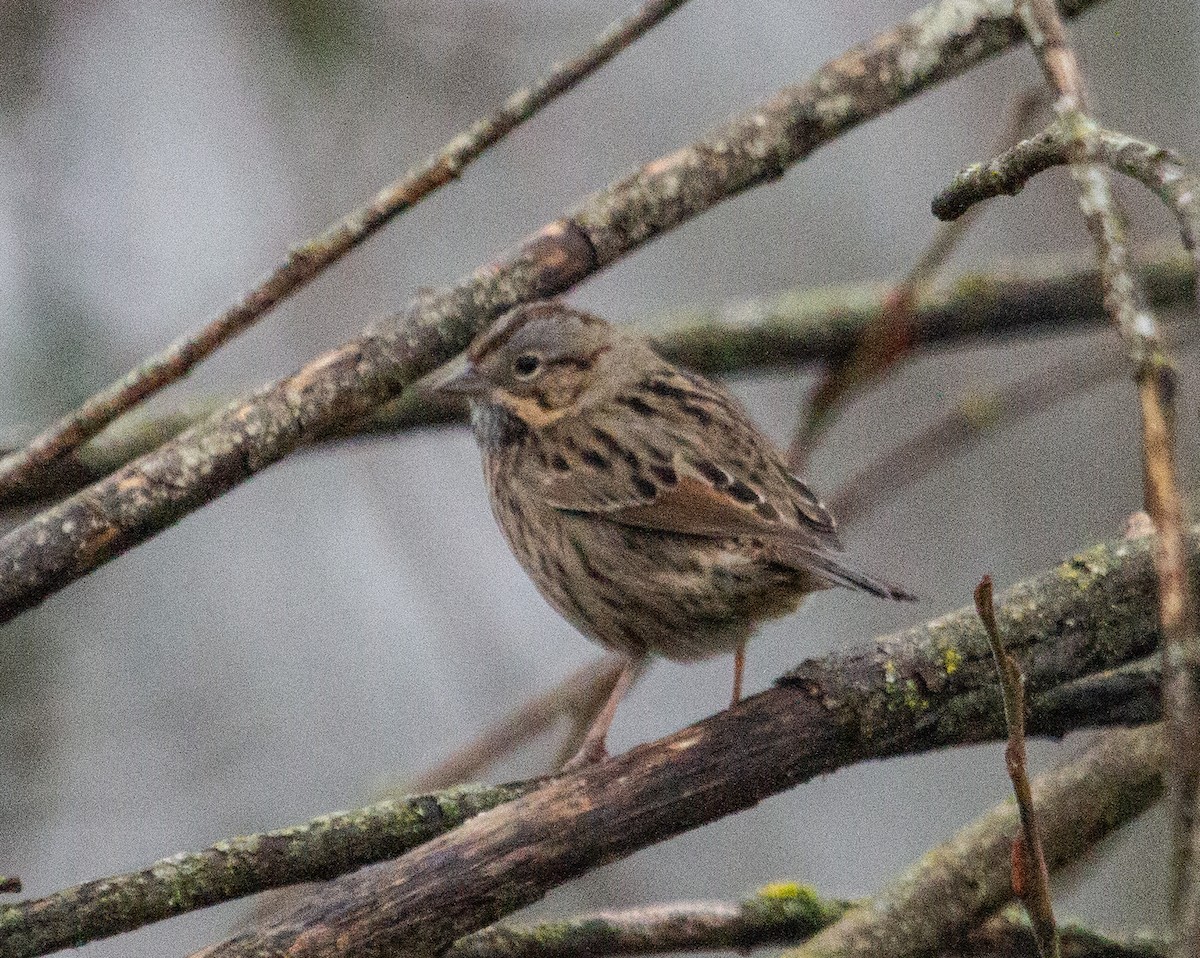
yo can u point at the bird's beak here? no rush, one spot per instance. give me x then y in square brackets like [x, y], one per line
[461, 378]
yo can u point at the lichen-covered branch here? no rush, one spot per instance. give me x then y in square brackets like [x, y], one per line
[944, 895]
[1031, 297]
[26, 467]
[930, 686]
[779, 914]
[784, 913]
[924, 688]
[108, 518]
[318, 849]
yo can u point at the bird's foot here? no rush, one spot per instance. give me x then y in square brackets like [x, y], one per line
[590, 753]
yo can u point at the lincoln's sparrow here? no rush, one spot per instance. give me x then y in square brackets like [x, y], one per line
[645, 505]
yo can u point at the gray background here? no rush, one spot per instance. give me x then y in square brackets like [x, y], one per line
[348, 617]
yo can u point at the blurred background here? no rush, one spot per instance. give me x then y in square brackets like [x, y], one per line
[347, 618]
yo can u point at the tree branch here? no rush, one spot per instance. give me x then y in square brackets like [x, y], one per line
[781, 914]
[110, 517]
[778, 915]
[25, 467]
[919, 689]
[318, 849]
[1160, 170]
[945, 894]
[1156, 389]
[928, 687]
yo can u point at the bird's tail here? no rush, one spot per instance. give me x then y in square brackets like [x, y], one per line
[826, 567]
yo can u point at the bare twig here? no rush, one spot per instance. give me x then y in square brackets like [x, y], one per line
[306, 261]
[886, 342]
[1156, 386]
[954, 886]
[1072, 625]
[1030, 876]
[105, 520]
[578, 698]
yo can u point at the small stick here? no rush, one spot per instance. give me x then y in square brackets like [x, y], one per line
[1031, 878]
[580, 697]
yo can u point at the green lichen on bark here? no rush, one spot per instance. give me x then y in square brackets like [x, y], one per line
[318, 849]
[1095, 611]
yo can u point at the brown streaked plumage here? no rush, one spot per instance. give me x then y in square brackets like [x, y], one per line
[644, 503]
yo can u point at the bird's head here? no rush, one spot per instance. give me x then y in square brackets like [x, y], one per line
[539, 362]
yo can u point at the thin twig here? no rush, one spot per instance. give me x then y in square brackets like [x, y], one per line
[887, 341]
[310, 258]
[105, 520]
[578, 697]
[1156, 387]
[964, 425]
[1160, 170]
[1030, 876]
[1073, 626]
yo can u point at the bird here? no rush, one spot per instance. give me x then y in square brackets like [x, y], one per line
[642, 500]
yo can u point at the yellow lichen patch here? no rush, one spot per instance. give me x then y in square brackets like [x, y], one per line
[785, 891]
[1085, 568]
[951, 659]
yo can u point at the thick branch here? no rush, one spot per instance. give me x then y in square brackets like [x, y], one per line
[919, 689]
[110, 517]
[309, 259]
[924, 688]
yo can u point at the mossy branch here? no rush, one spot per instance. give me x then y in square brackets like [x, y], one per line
[110, 517]
[787, 913]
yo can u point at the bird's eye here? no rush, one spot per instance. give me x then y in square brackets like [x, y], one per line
[526, 365]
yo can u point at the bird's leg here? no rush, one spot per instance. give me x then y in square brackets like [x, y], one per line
[592, 750]
[739, 666]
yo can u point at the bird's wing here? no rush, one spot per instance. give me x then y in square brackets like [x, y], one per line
[679, 454]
